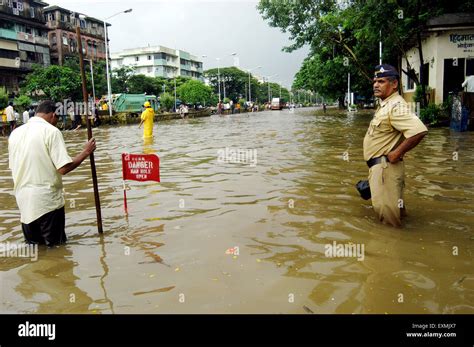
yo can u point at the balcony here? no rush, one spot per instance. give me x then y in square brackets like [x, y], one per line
[8, 34]
[40, 40]
[25, 37]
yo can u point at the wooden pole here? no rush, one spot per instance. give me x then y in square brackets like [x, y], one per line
[89, 131]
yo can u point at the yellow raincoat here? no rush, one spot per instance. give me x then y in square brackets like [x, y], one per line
[147, 118]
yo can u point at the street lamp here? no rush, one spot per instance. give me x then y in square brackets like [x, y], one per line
[268, 81]
[223, 81]
[250, 85]
[219, 74]
[109, 87]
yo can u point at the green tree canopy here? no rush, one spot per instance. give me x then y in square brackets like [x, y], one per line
[195, 92]
[54, 82]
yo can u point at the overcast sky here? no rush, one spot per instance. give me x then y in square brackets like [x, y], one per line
[202, 27]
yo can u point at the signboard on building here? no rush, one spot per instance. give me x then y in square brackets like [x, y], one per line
[463, 41]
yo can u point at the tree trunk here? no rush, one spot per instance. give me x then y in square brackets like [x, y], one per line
[424, 101]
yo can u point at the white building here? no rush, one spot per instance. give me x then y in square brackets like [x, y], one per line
[448, 56]
[159, 61]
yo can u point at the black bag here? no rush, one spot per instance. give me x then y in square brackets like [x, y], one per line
[364, 189]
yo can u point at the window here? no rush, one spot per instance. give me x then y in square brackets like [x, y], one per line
[32, 12]
[82, 23]
[410, 83]
[137, 58]
[62, 18]
[65, 43]
[150, 69]
[149, 57]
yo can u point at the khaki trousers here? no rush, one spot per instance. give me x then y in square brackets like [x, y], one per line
[386, 187]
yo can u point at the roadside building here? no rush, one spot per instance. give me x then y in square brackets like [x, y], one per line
[62, 25]
[159, 61]
[23, 41]
[448, 56]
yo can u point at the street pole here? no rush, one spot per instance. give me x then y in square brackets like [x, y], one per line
[223, 86]
[89, 132]
[174, 93]
[380, 47]
[219, 79]
[250, 90]
[348, 90]
[109, 85]
[93, 86]
[268, 82]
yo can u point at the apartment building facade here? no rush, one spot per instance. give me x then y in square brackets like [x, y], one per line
[23, 40]
[62, 24]
[159, 61]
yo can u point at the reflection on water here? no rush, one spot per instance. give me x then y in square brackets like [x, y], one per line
[169, 254]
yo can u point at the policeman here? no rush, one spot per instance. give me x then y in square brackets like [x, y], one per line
[393, 131]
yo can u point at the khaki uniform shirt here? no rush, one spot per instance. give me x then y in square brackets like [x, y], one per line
[392, 121]
[36, 151]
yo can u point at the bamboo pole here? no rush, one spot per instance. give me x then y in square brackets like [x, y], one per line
[89, 132]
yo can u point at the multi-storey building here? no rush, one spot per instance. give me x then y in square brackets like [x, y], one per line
[23, 40]
[62, 24]
[159, 61]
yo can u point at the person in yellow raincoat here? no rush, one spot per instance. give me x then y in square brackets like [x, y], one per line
[147, 119]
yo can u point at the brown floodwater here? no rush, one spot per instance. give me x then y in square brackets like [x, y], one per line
[169, 254]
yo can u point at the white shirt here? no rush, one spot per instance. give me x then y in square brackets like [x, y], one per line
[36, 151]
[10, 113]
[26, 116]
[469, 82]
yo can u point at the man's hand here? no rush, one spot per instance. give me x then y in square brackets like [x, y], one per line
[89, 147]
[394, 157]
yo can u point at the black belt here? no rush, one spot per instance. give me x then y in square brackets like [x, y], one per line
[378, 160]
[375, 161]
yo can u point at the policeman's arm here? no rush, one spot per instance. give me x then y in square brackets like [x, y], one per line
[78, 159]
[408, 144]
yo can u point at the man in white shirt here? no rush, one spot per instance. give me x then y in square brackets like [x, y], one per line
[469, 84]
[38, 157]
[26, 116]
[10, 112]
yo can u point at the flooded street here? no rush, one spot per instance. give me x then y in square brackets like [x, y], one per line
[169, 254]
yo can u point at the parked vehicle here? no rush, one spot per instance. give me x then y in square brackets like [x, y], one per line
[277, 104]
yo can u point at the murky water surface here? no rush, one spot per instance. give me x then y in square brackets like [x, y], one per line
[169, 255]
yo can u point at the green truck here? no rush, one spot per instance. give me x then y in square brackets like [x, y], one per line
[133, 103]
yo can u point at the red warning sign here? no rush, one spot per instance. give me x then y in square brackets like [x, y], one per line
[141, 167]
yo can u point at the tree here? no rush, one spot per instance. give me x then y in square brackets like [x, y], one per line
[234, 80]
[3, 98]
[138, 84]
[166, 101]
[54, 82]
[120, 78]
[195, 92]
[350, 31]
[99, 70]
[23, 102]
